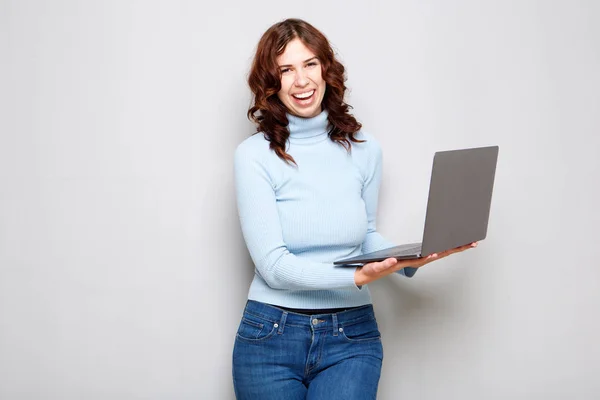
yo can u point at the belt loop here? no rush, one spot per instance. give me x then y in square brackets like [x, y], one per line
[335, 324]
[282, 322]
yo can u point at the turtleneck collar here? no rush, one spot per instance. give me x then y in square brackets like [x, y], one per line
[308, 130]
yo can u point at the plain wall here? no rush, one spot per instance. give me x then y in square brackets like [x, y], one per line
[123, 272]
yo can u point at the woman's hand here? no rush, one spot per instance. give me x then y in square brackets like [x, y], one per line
[376, 270]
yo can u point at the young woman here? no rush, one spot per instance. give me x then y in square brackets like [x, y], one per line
[307, 187]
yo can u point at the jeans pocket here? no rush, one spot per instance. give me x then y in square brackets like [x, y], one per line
[255, 329]
[363, 331]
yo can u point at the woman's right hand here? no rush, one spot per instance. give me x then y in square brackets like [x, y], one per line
[376, 270]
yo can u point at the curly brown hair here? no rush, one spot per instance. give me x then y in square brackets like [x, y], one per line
[269, 113]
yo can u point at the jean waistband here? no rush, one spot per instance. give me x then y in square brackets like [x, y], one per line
[315, 321]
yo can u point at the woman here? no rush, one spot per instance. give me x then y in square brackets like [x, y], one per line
[307, 188]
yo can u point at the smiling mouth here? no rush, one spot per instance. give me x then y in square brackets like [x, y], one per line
[304, 96]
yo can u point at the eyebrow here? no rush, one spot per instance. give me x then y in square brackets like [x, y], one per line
[305, 61]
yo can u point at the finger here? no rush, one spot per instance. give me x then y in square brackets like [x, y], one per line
[385, 264]
[429, 258]
[388, 262]
[462, 248]
[459, 249]
[452, 251]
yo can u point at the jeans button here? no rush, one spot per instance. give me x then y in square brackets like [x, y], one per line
[314, 321]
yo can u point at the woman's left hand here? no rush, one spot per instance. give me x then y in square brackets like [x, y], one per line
[379, 269]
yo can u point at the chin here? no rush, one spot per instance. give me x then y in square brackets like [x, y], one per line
[308, 113]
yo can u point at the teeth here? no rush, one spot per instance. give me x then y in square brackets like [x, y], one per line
[304, 95]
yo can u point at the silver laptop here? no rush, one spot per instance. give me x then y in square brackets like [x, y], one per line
[458, 208]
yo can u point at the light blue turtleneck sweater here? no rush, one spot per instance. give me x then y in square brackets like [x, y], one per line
[297, 220]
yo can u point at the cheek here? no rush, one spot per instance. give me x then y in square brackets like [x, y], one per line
[317, 77]
[322, 85]
[286, 83]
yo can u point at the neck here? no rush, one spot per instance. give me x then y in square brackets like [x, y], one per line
[308, 130]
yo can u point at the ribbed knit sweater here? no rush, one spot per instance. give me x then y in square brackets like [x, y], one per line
[297, 220]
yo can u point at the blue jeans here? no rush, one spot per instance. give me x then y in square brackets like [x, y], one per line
[288, 356]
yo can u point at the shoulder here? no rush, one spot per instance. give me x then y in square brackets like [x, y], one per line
[370, 146]
[255, 147]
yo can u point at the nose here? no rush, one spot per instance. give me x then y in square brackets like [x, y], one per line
[301, 79]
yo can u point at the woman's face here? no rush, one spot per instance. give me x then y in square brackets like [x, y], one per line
[302, 86]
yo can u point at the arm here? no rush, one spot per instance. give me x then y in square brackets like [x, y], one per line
[261, 228]
[373, 240]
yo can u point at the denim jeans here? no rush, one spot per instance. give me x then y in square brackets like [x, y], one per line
[288, 356]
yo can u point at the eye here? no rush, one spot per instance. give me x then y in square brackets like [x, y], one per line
[284, 70]
[312, 64]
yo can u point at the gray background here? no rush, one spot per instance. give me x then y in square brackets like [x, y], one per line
[123, 272]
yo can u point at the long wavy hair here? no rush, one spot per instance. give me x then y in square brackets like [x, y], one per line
[269, 113]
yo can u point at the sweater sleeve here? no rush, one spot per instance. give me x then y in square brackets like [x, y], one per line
[261, 228]
[374, 241]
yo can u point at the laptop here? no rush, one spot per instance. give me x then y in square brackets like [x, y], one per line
[458, 207]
